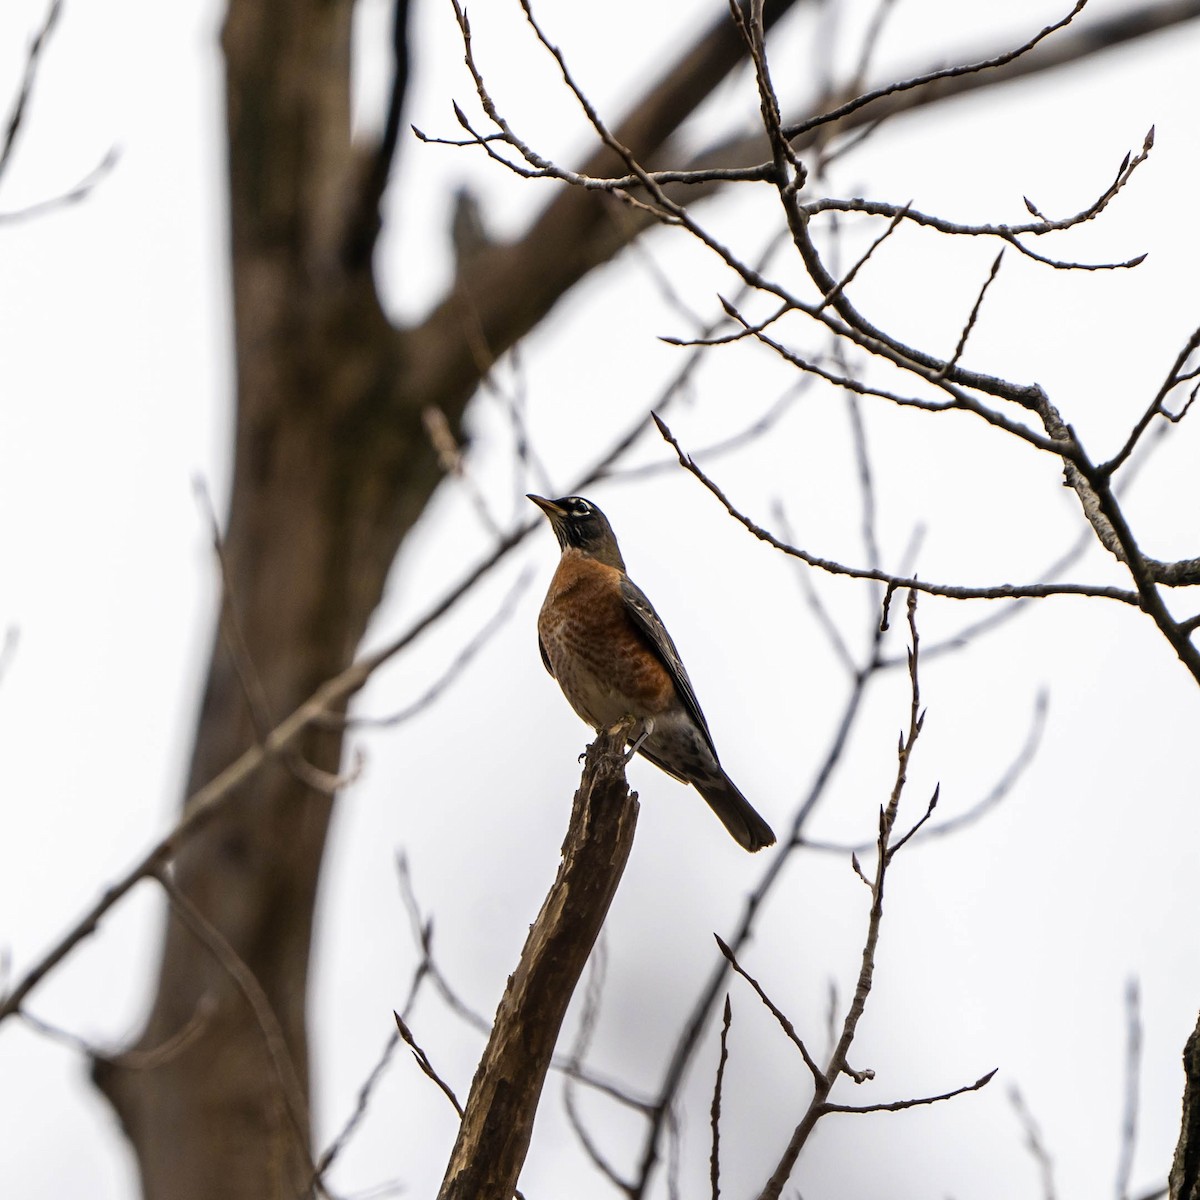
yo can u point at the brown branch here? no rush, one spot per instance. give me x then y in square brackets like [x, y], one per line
[967, 329]
[512, 286]
[916, 1102]
[959, 399]
[498, 1121]
[1185, 1168]
[714, 1158]
[1004, 591]
[689, 1038]
[788, 1028]
[850, 275]
[987, 65]
[1174, 377]
[1008, 232]
[837, 1064]
[208, 800]
[575, 223]
[422, 1061]
[428, 968]
[995, 794]
[166, 1051]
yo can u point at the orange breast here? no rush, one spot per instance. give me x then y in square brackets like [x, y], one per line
[602, 662]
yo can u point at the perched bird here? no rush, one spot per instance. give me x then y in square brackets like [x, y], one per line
[613, 658]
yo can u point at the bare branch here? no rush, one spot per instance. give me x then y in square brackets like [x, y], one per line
[960, 399]
[818, 608]
[784, 1024]
[205, 803]
[365, 1092]
[588, 1019]
[843, 283]
[838, 1060]
[901, 1105]
[901, 842]
[1010, 233]
[32, 60]
[985, 65]
[422, 1060]
[714, 1158]
[953, 592]
[80, 191]
[452, 672]
[952, 362]
[1034, 1143]
[1174, 376]
[498, 1119]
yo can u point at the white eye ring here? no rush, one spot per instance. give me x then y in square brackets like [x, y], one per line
[581, 508]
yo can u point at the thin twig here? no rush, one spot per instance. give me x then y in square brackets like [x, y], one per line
[422, 1061]
[838, 1063]
[1005, 591]
[1034, 1143]
[208, 800]
[952, 362]
[784, 1024]
[994, 795]
[588, 1020]
[78, 191]
[989, 64]
[450, 675]
[915, 1102]
[20, 104]
[714, 1157]
[359, 1111]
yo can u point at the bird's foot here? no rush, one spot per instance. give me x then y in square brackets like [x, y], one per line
[636, 745]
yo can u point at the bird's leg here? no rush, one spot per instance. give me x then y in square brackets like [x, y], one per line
[636, 745]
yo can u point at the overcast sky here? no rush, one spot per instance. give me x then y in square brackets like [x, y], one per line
[1008, 945]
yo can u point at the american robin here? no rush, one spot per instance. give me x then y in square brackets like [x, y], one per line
[613, 658]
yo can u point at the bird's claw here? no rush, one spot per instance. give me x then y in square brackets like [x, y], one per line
[636, 745]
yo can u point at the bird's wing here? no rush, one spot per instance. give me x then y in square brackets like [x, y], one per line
[545, 656]
[650, 624]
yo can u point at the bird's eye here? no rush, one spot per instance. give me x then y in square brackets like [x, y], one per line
[581, 508]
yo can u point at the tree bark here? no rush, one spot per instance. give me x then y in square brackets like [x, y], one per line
[497, 1123]
[1185, 1169]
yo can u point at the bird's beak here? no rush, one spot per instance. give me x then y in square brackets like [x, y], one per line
[551, 509]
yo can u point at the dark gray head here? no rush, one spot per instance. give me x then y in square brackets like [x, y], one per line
[580, 525]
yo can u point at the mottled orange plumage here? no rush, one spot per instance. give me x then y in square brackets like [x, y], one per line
[602, 661]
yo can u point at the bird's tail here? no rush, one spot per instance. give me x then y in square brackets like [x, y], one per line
[737, 814]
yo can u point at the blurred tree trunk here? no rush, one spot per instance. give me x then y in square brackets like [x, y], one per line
[332, 468]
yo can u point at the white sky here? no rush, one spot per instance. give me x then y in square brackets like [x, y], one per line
[1007, 946]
